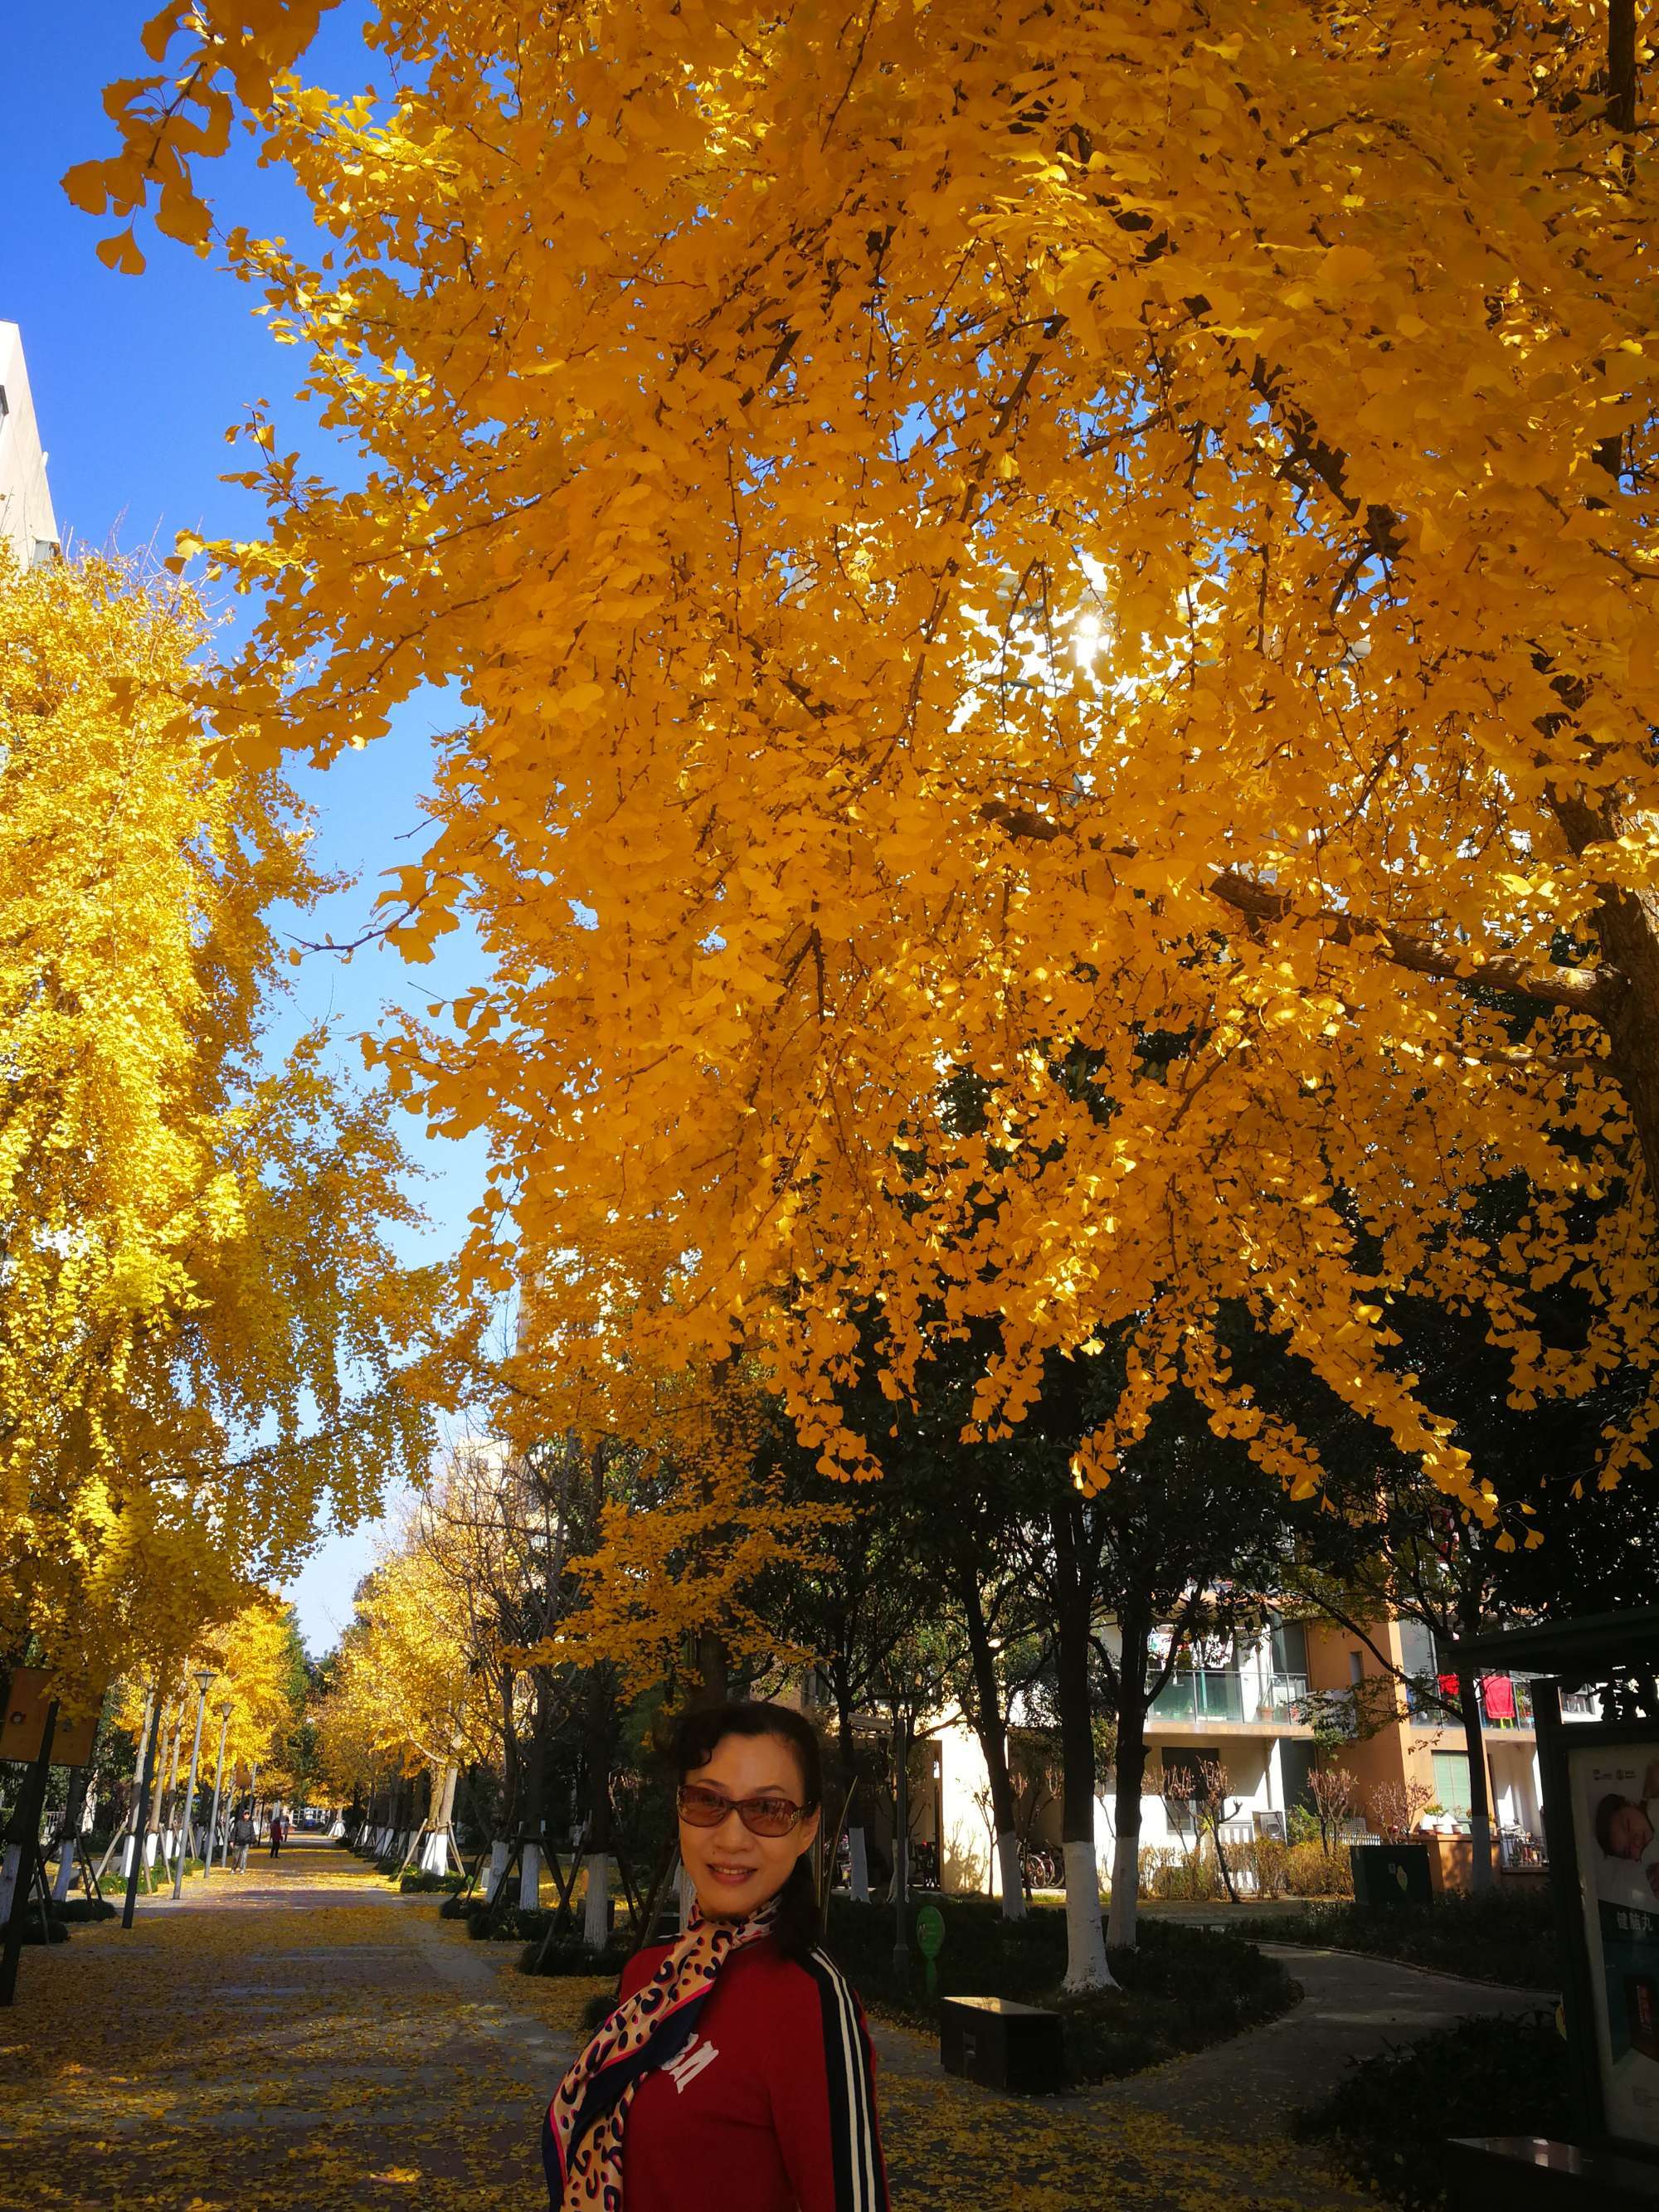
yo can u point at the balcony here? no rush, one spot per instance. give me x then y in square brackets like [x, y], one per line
[1224, 1694]
[1506, 1706]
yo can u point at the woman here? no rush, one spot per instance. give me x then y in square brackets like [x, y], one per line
[734, 2073]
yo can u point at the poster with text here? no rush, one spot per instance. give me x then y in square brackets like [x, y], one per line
[1615, 1812]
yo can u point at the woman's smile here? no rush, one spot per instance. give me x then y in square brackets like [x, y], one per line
[734, 1870]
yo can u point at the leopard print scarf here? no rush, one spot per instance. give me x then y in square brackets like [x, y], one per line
[582, 2135]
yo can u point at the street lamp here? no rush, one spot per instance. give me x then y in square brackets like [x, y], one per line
[218, 1779]
[204, 1679]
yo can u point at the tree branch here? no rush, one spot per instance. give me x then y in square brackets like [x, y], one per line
[1583, 990]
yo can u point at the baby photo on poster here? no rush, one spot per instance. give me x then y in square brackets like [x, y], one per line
[1615, 1806]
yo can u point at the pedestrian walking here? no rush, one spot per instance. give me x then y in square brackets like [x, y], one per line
[279, 1833]
[734, 2073]
[241, 1835]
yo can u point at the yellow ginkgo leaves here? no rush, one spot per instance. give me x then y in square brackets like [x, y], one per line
[202, 1320]
[759, 408]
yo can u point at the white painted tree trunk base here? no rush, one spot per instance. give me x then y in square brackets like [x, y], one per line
[1085, 1941]
[596, 1921]
[65, 1873]
[9, 1867]
[530, 1879]
[859, 1874]
[499, 1851]
[434, 1852]
[1126, 1892]
[1013, 1884]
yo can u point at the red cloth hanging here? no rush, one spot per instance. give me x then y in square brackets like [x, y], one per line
[1498, 1691]
[1448, 1687]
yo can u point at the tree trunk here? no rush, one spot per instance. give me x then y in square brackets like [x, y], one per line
[510, 1758]
[435, 1859]
[989, 1728]
[596, 1924]
[857, 1849]
[1626, 925]
[531, 1801]
[713, 1686]
[1127, 1801]
[74, 1813]
[857, 1853]
[1468, 1701]
[1085, 1943]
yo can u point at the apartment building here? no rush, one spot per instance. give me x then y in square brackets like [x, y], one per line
[27, 521]
[1246, 1707]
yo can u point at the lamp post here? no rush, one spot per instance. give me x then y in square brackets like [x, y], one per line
[204, 1679]
[218, 1780]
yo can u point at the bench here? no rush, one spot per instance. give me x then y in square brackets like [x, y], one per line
[1002, 2045]
[1528, 2173]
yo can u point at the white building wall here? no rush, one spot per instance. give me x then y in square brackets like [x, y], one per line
[967, 1858]
[27, 520]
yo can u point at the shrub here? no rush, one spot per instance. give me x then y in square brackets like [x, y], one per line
[1267, 1861]
[1503, 1935]
[1389, 2120]
[1180, 1988]
[1175, 1879]
[433, 1882]
[1302, 1825]
[1309, 1872]
[512, 1924]
[568, 1955]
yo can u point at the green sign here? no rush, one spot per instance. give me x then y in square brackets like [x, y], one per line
[930, 1932]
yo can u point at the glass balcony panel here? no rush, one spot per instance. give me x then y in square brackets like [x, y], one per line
[1221, 1695]
[1176, 1700]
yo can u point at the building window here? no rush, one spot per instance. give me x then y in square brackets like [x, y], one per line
[1290, 1648]
[1356, 1667]
[1451, 1782]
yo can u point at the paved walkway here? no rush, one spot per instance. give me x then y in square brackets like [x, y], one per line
[302, 2039]
[1352, 2008]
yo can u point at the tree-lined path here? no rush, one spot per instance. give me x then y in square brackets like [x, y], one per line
[303, 2036]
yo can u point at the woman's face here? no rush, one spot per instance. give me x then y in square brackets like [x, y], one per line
[733, 1870]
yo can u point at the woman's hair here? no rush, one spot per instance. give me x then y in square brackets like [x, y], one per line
[698, 1734]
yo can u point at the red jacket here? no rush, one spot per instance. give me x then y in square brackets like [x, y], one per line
[770, 2107]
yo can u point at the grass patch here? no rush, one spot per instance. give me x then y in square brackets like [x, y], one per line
[1181, 1989]
[1507, 1935]
[1389, 2120]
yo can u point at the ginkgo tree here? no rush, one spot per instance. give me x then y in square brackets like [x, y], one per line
[1106, 552]
[204, 1325]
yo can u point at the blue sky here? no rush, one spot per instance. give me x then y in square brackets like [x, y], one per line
[136, 380]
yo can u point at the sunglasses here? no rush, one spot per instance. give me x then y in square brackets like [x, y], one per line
[702, 1808]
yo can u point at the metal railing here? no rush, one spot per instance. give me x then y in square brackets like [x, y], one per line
[1521, 1853]
[1225, 1693]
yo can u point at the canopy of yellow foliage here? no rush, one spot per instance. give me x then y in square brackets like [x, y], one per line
[406, 1688]
[250, 1658]
[1040, 595]
[202, 1318]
